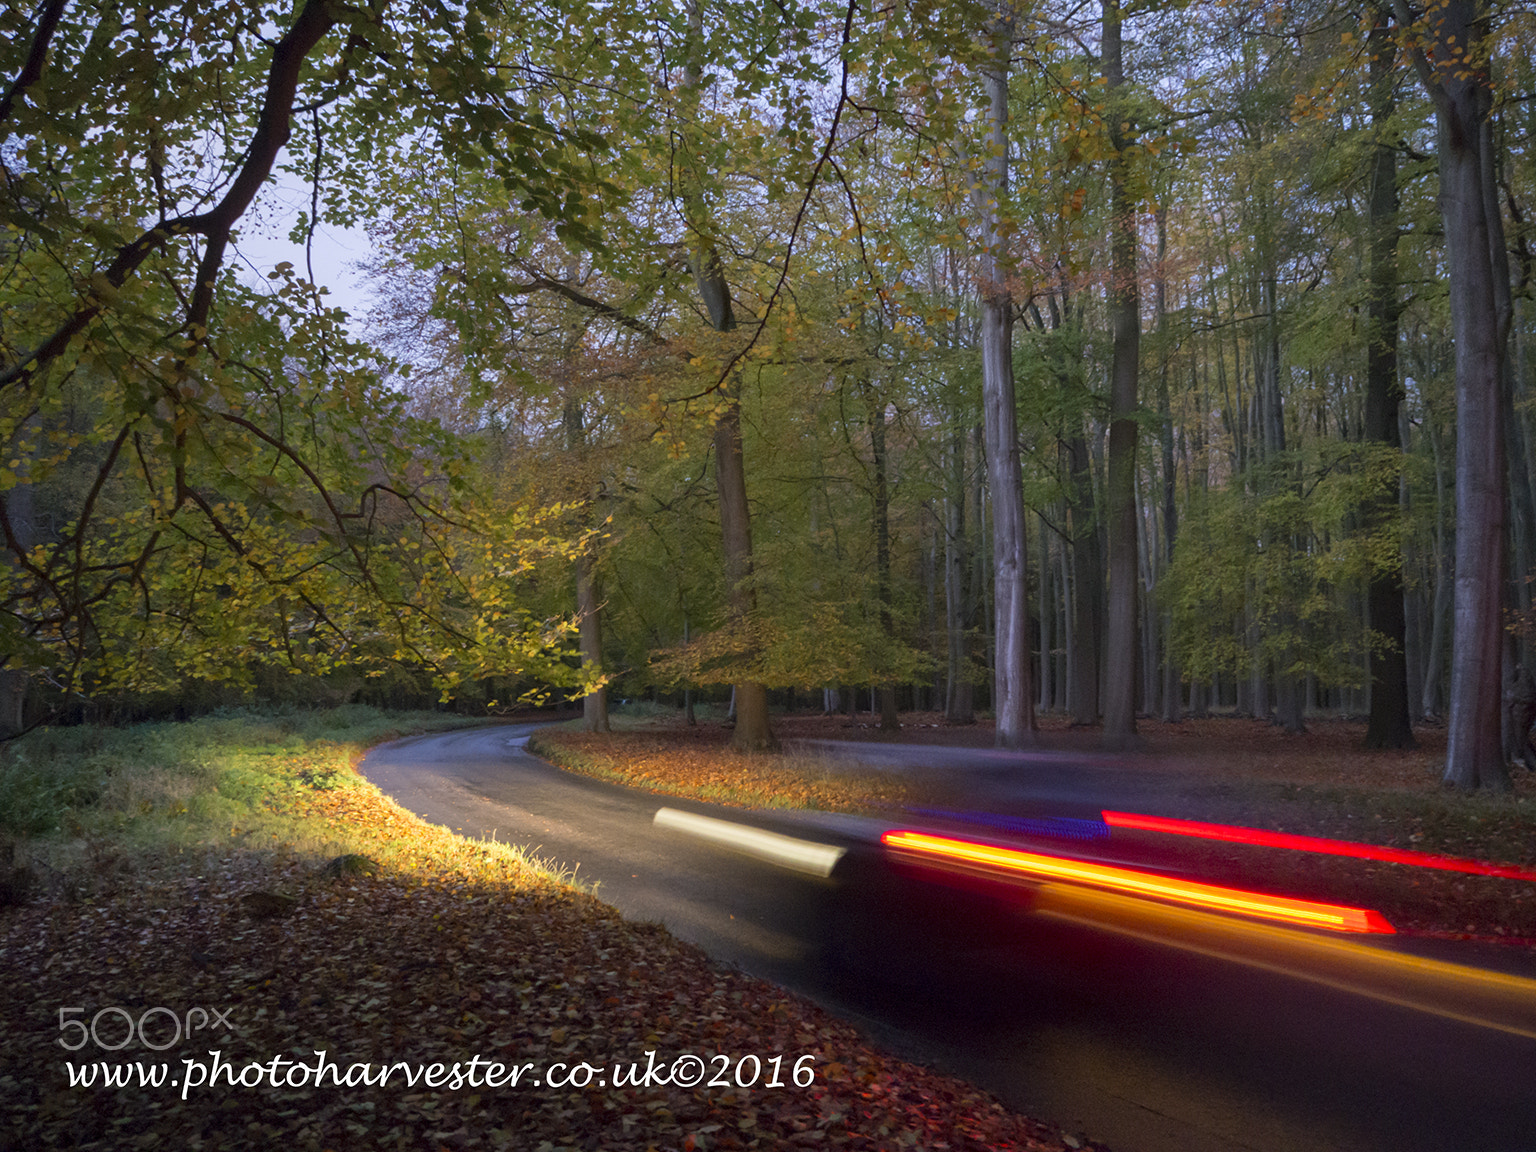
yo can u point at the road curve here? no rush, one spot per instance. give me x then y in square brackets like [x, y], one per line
[1144, 1047]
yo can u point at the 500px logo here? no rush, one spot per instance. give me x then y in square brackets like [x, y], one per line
[151, 1022]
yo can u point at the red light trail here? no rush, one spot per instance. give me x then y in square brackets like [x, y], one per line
[1258, 836]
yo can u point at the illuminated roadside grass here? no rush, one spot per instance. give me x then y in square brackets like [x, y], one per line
[89, 810]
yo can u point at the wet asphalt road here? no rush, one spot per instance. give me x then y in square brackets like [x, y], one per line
[1143, 1047]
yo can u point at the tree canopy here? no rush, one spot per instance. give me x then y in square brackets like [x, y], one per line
[720, 324]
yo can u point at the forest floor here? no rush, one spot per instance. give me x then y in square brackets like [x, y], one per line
[1244, 772]
[229, 936]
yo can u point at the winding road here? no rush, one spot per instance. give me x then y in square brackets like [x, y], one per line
[1144, 1033]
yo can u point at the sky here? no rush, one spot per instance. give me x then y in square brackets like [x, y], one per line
[335, 252]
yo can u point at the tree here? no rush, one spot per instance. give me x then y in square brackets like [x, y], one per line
[1125, 309]
[589, 600]
[1013, 699]
[1390, 723]
[231, 480]
[1449, 49]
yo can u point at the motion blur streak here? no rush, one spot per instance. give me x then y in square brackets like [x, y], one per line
[786, 851]
[1239, 835]
[1475, 996]
[1334, 917]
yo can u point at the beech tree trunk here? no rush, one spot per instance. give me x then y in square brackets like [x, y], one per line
[753, 732]
[1086, 633]
[594, 705]
[17, 508]
[959, 596]
[1171, 711]
[1455, 75]
[1047, 601]
[1125, 310]
[1012, 699]
[1440, 608]
[1413, 598]
[875, 405]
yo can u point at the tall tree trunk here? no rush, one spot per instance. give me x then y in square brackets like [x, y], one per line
[958, 597]
[594, 705]
[1012, 700]
[981, 564]
[1520, 399]
[1087, 597]
[1455, 75]
[1063, 627]
[1289, 688]
[875, 406]
[1146, 559]
[753, 732]
[932, 692]
[1125, 311]
[1440, 608]
[1047, 617]
[1413, 600]
[589, 599]
[19, 511]
[1171, 680]
[1391, 725]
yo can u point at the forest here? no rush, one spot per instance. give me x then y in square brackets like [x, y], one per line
[1133, 358]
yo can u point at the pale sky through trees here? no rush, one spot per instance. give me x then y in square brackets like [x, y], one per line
[335, 251]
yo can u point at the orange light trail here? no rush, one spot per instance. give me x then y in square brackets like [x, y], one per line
[1333, 917]
[1320, 844]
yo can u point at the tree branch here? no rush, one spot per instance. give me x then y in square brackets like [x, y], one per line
[32, 70]
[273, 128]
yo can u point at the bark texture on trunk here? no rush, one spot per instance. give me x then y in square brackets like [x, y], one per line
[1012, 698]
[1455, 75]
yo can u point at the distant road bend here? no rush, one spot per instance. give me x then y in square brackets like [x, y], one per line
[1150, 1026]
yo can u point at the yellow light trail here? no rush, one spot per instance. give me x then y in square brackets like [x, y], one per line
[1306, 913]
